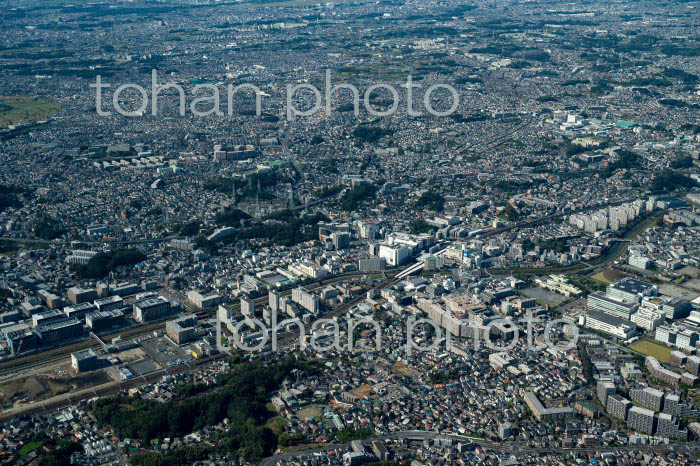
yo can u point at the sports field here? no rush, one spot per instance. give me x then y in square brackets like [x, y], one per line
[660, 352]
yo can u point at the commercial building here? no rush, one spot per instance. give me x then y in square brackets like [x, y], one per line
[78, 295]
[631, 290]
[599, 301]
[609, 324]
[647, 319]
[201, 301]
[79, 311]
[372, 264]
[182, 330]
[84, 360]
[109, 303]
[151, 308]
[47, 317]
[100, 321]
[395, 255]
[59, 331]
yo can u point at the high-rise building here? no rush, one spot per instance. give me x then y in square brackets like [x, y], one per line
[341, 240]
[667, 426]
[641, 420]
[693, 365]
[247, 306]
[618, 406]
[604, 390]
[648, 397]
[274, 300]
[306, 299]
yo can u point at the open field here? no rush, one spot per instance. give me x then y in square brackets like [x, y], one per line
[660, 352]
[400, 368]
[24, 109]
[310, 412]
[607, 277]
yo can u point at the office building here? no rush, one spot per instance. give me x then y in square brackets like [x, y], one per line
[182, 330]
[100, 321]
[631, 290]
[79, 311]
[341, 240]
[601, 302]
[124, 289]
[109, 303]
[647, 319]
[609, 324]
[21, 340]
[78, 295]
[58, 331]
[84, 360]
[47, 317]
[151, 308]
[201, 301]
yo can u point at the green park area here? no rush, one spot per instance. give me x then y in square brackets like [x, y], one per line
[16, 110]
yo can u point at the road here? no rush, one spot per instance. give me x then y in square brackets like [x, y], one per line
[516, 447]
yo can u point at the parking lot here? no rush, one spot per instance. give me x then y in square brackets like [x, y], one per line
[164, 352]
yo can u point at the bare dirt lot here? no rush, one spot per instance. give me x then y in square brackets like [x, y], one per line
[40, 386]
